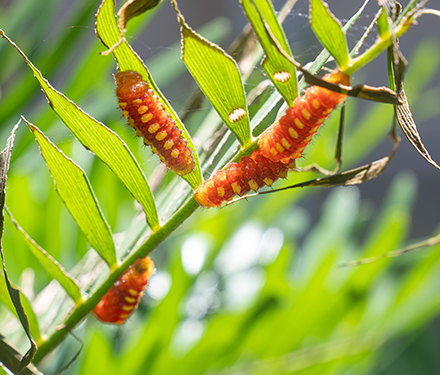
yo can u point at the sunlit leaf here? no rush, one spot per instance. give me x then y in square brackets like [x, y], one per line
[99, 139]
[279, 69]
[75, 190]
[329, 32]
[218, 76]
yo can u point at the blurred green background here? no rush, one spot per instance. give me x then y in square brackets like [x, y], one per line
[253, 288]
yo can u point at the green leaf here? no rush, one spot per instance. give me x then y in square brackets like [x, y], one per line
[383, 25]
[55, 269]
[99, 139]
[219, 78]
[27, 308]
[279, 69]
[7, 287]
[75, 190]
[10, 357]
[329, 32]
[109, 34]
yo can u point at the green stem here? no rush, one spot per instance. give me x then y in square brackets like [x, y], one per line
[146, 248]
[378, 47]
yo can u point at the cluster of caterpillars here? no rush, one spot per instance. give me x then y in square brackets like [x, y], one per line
[279, 146]
[124, 296]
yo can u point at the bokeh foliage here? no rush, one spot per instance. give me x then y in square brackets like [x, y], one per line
[269, 297]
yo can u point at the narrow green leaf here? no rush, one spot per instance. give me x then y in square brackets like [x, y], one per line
[28, 311]
[14, 293]
[109, 34]
[55, 269]
[11, 357]
[383, 25]
[75, 190]
[279, 69]
[99, 139]
[134, 8]
[219, 78]
[329, 32]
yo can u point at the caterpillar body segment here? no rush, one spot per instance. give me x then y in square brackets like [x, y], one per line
[146, 115]
[287, 139]
[251, 173]
[124, 296]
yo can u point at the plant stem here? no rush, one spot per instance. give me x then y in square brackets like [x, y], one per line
[378, 47]
[146, 248]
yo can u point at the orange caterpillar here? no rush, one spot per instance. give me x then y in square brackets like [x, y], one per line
[280, 145]
[251, 173]
[146, 115]
[124, 296]
[287, 139]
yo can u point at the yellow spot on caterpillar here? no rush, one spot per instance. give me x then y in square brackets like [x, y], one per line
[153, 128]
[298, 123]
[273, 151]
[315, 104]
[125, 114]
[253, 185]
[161, 135]
[236, 114]
[154, 149]
[268, 181]
[138, 133]
[146, 143]
[328, 111]
[120, 321]
[285, 143]
[133, 292]
[127, 308]
[168, 144]
[124, 316]
[142, 109]
[175, 153]
[293, 133]
[282, 174]
[320, 121]
[130, 300]
[279, 147]
[282, 76]
[236, 188]
[220, 191]
[306, 114]
[122, 105]
[137, 101]
[147, 117]
[162, 158]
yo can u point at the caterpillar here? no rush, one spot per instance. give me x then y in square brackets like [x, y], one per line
[124, 296]
[287, 139]
[251, 173]
[145, 114]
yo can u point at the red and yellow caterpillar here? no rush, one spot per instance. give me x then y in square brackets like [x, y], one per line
[280, 145]
[124, 296]
[287, 139]
[146, 115]
[251, 173]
